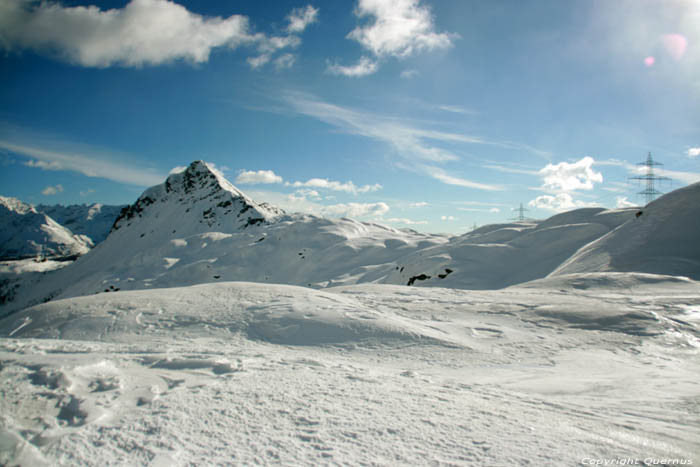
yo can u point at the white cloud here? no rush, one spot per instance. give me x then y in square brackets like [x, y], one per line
[448, 218]
[285, 61]
[501, 168]
[494, 210]
[89, 161]
[420, 204]
[348, 187]
[355, 209]
[251, 177]
[623, 202]
[52, 190]
[405, 221]
[177, 169]
[365, 66]
[260, 60]
[456, 109]
[300, 18]
[408, 74]
[87, 192]
[693, 152]
[441, 175]
[558, 203]
[569, 177]
[143, 32]
[397, 28]
[414, 145]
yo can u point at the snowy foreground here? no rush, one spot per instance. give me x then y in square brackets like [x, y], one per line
[560, 371]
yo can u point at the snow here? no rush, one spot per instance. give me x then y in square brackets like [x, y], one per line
[26, 233]
[94, 220]
[662, 239]
[242, 373]
[208, 329]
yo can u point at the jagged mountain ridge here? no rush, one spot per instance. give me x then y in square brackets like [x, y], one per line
[27, 233]
[195, 199]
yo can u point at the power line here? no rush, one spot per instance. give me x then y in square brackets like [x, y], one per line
[649, 192]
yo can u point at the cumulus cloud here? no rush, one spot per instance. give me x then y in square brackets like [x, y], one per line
[397, 28]
[52, 190]
[300, 18]
[558, 203]
[693, 152]
[448, 218]
[569, 177]
[258, 61]
[348, 187]
[144, 32]
[285, 61]
[251, 177]
[355, 209]
[365, 66]
[623, 202]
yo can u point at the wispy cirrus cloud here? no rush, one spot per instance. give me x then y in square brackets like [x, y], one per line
[142, 33]
[420, 149]
[89, 161]
[396, 28]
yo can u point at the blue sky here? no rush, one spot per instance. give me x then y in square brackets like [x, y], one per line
[433, 115]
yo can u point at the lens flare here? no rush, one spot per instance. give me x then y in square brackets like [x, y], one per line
[675, 45]
[649, 61]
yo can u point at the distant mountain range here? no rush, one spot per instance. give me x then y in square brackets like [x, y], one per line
[197, 227]
[52, 232]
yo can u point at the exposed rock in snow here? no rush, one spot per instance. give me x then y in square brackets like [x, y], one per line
[26, 233]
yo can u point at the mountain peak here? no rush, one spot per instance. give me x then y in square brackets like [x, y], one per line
[200, 198]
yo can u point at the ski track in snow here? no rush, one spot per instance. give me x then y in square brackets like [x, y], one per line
[240, 373]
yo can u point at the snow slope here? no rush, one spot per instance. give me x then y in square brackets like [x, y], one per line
[197, 228]
[592, 366]
[663, 239]
[26, 233]
[91, 220]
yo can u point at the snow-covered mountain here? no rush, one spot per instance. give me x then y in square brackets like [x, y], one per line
[198, 228]
[26, 233]
[664, 238]
[92, 220]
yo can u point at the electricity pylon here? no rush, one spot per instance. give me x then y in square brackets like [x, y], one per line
[649, 177]
[520, 217]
